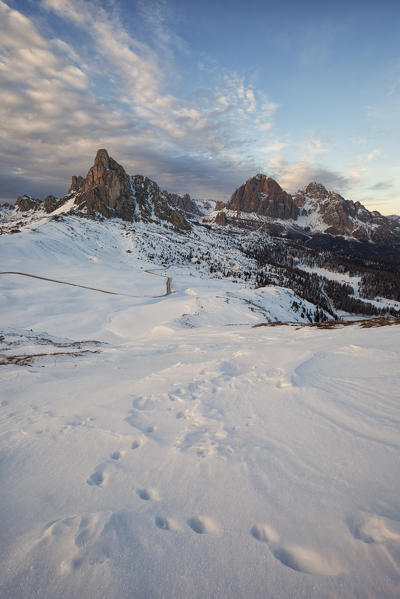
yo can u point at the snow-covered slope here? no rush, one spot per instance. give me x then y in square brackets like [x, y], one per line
[160, 446]
[124, 258]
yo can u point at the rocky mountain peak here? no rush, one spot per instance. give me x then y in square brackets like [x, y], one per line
[26, 202]
[316, 190]
[105, 189]
[263, 196]
[102, 158]
[108, 190]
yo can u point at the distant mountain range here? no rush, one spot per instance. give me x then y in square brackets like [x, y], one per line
[332, 252]
[260, 203]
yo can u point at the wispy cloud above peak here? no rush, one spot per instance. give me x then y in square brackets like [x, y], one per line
[295, 176]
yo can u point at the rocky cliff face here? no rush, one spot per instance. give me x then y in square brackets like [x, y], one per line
[25, 203]
[344, 217]
[107, 190]
[184, 203]
[263, 196]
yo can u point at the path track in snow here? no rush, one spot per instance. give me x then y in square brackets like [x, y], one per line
[168, 289]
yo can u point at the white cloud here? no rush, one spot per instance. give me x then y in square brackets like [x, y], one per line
[252, 105]
[373, 154]
[265, 126]
[357, 172]
[276, 146]
[297, 175]
[313, 147]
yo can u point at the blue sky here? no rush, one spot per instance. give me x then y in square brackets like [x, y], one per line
[200, 96]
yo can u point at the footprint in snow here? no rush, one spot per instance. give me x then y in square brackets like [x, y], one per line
[148, 494]
[370, 528]
[165, 523]
[307, 561]
[136, 444]
[202, 525]
[143, 404]
[296, 557]
[98, 478]
[116, 455]
[264, 533]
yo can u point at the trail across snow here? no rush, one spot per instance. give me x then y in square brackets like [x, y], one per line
[192, 456]
[24, 274]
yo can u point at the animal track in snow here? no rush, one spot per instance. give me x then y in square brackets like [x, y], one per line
[205, 443]
[92, 538]
[87, 530]
[116, 455]
[143, 404]
[97, 478]
[148, 494]
[296, 557]
[370, 528]
[165, 523]
[137, 421]
[264, 533]
[202, 525]
[273, 373]
[136, 444]
[306, 561]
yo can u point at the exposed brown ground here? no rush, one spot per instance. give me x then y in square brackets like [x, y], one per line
[364, 323]
[28, 359]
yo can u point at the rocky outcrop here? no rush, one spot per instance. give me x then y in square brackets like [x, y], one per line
[184, 203]
[25, 203]
[263, 196]
[109, 191]
[76, 181]
[105, 190]
[261, 202]
[152, 204]
[50, 204]
[344, 217]
[220, 218]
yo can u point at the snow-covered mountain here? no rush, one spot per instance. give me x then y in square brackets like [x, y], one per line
[261, 237]
[261, 202]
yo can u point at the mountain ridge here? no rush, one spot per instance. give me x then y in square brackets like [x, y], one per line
[259, 203]
[109, 192]
[336, 274]
[262, 203]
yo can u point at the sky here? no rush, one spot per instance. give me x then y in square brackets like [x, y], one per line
[201, 96]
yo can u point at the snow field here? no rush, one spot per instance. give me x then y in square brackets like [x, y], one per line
[228, 463]
[194, 456]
